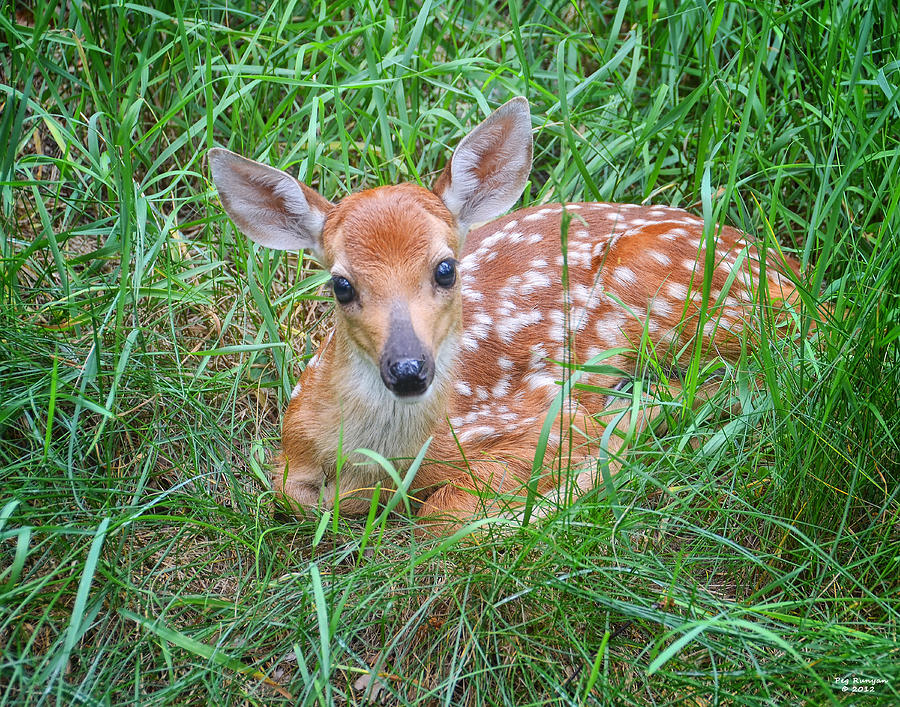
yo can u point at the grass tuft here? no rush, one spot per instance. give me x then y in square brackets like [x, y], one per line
[146, 350]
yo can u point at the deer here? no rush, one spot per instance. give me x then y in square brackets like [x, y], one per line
[451, 324]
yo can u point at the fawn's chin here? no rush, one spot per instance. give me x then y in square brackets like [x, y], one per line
[413, 398]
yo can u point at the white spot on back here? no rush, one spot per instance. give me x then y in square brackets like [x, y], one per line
[625, 275]
[557, 330]
[507, 329]
[481, 431]
[661, 307]
[677, 291]
[660, 258]
[471, 294]
[506, 308]
[609, 328]
[501, 387]
[469, 342]
[532, 281]
[580, 293]
[481, 328]
[537, 380]
[490, 241]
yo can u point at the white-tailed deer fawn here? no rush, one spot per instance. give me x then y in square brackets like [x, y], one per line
[457, 338]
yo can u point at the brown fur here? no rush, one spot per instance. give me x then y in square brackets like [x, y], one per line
[389, 244]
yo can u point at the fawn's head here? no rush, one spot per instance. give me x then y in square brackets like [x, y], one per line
[392, 251]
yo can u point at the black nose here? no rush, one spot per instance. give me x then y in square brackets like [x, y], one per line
[407, 376]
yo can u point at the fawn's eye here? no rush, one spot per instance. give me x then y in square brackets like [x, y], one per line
[445, 273]
[343, 290]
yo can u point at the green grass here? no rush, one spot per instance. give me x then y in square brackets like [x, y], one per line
[147, 349]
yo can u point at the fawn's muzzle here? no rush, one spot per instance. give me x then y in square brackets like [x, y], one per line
[407, 368]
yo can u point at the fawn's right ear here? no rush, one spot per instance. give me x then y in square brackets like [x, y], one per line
[269, 205]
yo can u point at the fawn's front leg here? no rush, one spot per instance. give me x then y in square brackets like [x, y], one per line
[305, 487]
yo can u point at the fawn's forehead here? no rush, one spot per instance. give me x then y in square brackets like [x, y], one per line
[390, 228]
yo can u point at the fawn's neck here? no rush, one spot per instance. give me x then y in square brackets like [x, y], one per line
[374, 418]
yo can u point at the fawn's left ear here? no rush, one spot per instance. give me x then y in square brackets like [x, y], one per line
[269, 205]
[489, 168]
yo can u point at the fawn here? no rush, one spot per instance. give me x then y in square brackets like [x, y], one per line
[456, 336]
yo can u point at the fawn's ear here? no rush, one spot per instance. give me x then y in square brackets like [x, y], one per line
[269, 205]
[489, 168]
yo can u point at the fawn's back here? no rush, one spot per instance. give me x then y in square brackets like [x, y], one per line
[632, 271]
